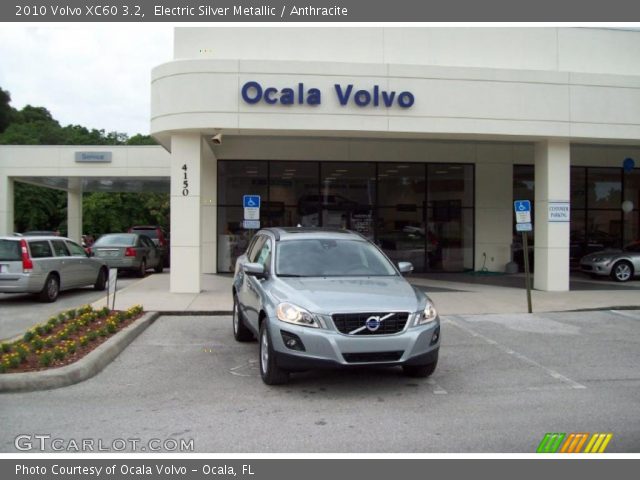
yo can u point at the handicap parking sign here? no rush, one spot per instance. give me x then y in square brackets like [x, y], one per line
[523, 211]
[251, 201]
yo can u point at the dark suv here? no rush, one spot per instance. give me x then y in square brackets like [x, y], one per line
[159, 237]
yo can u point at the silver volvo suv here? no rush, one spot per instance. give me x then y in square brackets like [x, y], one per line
[317, 298]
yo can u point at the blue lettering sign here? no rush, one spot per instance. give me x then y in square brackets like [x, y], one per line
[253, 93]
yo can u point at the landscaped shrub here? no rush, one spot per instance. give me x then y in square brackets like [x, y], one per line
[45, 358]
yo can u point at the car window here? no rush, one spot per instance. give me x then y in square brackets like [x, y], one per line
[255, 249]
[40, 249]
[76, 250]
[124, 239]
[150, 232]
[60, 248]
[331, 258]
[10, 250]
[264, 256]
[147, 242]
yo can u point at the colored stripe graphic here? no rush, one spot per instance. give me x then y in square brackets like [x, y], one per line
[573, 442]
[550, 443]
[598, 443]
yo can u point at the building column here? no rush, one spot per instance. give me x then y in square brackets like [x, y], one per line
[209, 210]
[6, 205]
[74, 210]
[186, 162]
[551, 253]
[494, 208]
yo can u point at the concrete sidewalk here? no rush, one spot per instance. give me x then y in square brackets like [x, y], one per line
[452, 293]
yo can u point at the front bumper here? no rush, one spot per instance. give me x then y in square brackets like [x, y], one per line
[330, 349]
[596, 268]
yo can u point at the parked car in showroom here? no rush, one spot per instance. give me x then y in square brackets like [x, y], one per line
[131, 252]
[620, 265]
[158, 236]
[319, 298]
[47, 265]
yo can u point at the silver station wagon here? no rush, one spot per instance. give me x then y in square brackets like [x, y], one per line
[46, 266]
[319, 298]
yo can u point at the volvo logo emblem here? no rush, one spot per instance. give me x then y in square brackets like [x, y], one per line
[372, 323]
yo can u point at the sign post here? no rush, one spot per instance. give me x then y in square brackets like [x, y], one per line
[523, 224]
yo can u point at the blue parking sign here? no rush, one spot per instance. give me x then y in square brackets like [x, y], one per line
[522, 206]
[251, 201]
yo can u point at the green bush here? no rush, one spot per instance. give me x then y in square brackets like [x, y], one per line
[83, 340]
[72, 347]
[47, 328]
[45, 358]
[59, 352]
[92, 335]
[28, 335]
[5, 347]
[37, 343]
[103, 332]
[53, 321]
[22, 351]
[49, 341]
[39, 329]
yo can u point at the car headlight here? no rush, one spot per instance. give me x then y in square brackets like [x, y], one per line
[428, 315]
[602, 259]
[290, 313]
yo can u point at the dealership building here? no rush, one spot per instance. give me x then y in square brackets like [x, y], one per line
[421, 139]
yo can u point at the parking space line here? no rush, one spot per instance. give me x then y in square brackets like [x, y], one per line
[437, 389]
[625, 314]
[549, 371]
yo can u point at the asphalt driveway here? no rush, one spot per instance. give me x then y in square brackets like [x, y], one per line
[502, 383]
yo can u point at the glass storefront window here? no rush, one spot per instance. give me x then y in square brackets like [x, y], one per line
[347, 196]
[385, 202]
[238, 177]
[578, 187]
[604, 188]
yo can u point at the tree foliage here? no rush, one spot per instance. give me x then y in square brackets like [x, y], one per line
[40, 208]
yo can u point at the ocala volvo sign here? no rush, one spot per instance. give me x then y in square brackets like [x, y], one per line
[254, 93]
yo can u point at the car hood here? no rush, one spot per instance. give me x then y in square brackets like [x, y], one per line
[349, 294]
[604, 254]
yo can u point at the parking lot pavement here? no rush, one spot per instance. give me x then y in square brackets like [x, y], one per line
[503, 382]
[18, 312]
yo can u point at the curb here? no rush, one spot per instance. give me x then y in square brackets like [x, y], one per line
[85, 368]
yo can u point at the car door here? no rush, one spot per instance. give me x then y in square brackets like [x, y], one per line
[85, 271]
[254, 285]
[244, 281]
[63, 265]
[153, 254]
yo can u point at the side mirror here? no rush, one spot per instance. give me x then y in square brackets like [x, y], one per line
[254, 269]
[405, 267]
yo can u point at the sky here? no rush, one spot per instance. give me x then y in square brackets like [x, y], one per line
[97, 76]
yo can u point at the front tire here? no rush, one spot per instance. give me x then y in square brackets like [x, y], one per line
[159, 267]
[420, 371]
[101, 281]
[622, 271]
[269, 371]
[240, 331]
[51, 289]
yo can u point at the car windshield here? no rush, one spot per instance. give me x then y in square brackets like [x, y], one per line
[125, 240]
[10, 250]
[330, 258]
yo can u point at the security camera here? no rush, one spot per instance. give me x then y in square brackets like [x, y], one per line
[217, 139]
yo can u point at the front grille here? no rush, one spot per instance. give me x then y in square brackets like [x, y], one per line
[348, 322]
[369, 357]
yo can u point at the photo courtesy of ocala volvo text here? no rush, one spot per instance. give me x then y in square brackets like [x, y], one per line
[322, 298]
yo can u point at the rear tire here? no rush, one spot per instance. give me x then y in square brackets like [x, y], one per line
[142, 271]
[240, 331]
[269, 371]
[159, 267]
[101, 281]
[51, 289]
[622, 271]
[420, 371]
